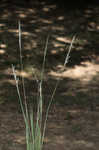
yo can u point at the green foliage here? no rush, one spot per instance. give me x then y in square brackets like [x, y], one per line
[34, 131]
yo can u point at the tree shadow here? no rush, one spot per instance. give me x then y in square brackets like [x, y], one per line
[61, 21]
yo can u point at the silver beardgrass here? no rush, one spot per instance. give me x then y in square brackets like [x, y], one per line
[34, 134]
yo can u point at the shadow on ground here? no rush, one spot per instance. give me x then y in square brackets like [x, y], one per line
[61, 21]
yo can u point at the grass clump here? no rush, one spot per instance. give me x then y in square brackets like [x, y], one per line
[35, 129]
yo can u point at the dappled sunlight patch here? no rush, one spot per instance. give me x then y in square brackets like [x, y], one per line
[32, 11]
[2, 25]
[64, 39]
[87, 13]
[46, 9]
[97, 27]
[32, 21]
[46, 21]
[8, 72]
[60, 18]
[92, 24]
[19, 139]
[23, 74]
[56, 51]
[2, 51]
[3, 46]
[53, 52]
[22, 15]
[57, 44]
[62, 49]
[37, 30]
[15, 31]
[44, 28]
[59, 28]
[85, 72]
[26, 33]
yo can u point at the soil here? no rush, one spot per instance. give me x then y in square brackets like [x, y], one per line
[73, 122]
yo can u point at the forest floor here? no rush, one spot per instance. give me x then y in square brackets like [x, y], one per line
[78, 92]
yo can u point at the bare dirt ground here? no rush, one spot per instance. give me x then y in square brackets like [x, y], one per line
[80, 131]
[78, 92]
